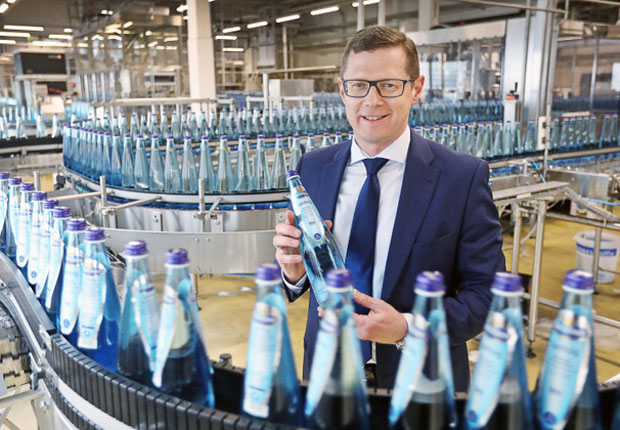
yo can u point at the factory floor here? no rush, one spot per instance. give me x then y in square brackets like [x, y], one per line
[226, 305]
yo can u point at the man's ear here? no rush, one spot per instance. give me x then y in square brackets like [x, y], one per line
[418, 84]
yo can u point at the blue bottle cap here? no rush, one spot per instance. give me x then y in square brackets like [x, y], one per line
[291, 173]
[296, 135]
[260, 136]
[154, 137]
[117, 135]
[39, 196]
[187, 137]
[135, 248]
[94, 234]
[278, 136]
[339, 278]
[268, 272]
[50, 204]
[4, 175]
[126, 135]
[338, 133]
[26, 186]
[61, 212]
[310, 134]
[176, 256]
[76, 224]
[430, 282]
[242, 136]
[170, 137]
[204, 137]
[326, 134]
[107, 133]
[507, 282]
[578, 279]
[223, 137]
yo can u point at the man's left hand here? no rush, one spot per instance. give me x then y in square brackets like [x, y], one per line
[382, 324]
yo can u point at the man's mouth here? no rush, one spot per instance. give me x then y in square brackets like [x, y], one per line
[373, 117]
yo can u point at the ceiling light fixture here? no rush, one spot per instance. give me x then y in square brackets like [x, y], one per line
[287, 18]
[225, 37]
[147, 33]
[7, 42]
[11, 1]
[104, 12]
[182, 8]
[68, 30]
[3, 7]
[128, 24]
[150, 45]
[13, 33]
[60, 36]
[257, 24]
[97, 37]
[232, 49]
[231, 29]
[324, 10]
[114, 37]
[24, 27]
[171, 39]
[82, 45]
[366, 2]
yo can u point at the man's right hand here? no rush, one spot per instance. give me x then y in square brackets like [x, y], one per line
[288, 254]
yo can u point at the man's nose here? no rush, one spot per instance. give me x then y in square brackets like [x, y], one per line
[373, 96]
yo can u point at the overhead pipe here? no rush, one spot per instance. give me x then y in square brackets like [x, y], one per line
[514, 6]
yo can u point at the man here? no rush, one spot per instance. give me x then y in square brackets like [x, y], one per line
[422, 205]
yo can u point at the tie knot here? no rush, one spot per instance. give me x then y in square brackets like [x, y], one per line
[373, 165]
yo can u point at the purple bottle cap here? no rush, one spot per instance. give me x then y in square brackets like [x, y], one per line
[278, 136]
[39, 196]
[4, 175]
[268, 272]
[76, 224]
[430, 282]
[507, 282]
[310, 134]
[578, 279]
[204, 137]
[223, 137]
[154, 137]
[61, 212]
[291, 173]
[26, 186]
[126, 135]
[50, 204]
[107, 133]
[339, 278]
[176, 257]
[94, 234]
[242, 136]
[326, 134]
[296, 135]
[260, 136]
[116, 135]
[135, 248]
[187, 137]
[170, 137]
[338, 133]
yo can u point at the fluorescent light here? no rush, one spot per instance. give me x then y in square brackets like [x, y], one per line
[225, 37]
[182, 8]
[115, 37]
[68, 30]
[325, 10]
[257, 24]
[3, 7]
[60, 36]
[11, 1]
[7, 42]
[148, 33]
[51, 43]
[97, 37]
[171, 48]
[185, 17]
[12, 33]
[24, 27]
[160, 47]
[170, 39]
[128, 24]
[110, 12]
[82, 45]
[150, 45]
[287, 18]
[366, 2]
[104, 12]
[231, 29]
[232, 49]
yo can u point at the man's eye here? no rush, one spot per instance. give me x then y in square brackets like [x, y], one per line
[358, 84]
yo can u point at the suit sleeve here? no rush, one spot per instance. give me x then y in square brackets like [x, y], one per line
[479, 256]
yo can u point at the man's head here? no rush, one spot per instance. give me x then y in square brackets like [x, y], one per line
[379, 111]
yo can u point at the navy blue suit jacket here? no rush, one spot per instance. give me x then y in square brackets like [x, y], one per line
[446, 220]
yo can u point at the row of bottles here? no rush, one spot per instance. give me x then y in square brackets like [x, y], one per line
[437, 113]
[18, 125]
[128, 164]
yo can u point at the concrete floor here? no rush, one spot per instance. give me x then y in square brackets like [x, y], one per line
[226, 304]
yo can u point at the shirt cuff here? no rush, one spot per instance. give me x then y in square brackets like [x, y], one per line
[409, 318]
[296, 288]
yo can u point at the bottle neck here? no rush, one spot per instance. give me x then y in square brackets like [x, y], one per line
[264, 288]
[175, 274]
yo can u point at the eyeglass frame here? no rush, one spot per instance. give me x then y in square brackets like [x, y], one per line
[374, 84]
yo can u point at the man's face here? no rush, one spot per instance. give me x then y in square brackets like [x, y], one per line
[377, 121]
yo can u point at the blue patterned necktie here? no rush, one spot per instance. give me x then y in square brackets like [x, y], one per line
[361, 250]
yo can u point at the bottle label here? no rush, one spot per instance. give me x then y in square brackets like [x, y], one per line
[144, 298]
[92, 299]
[410, 368]
[324, 356]
[565, 368]
[33, 248]
[23, 234]
[4, 200]
[309, 220]
[44, 257]
[173, 330]
[264, 352]
[71, 286]
[57, 248]
[495, 354]
[14, 215]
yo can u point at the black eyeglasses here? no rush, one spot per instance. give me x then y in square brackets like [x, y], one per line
[359, 88]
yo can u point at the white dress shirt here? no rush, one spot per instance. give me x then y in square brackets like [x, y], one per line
[390, 181]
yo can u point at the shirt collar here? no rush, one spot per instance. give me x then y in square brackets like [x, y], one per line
[396, 151]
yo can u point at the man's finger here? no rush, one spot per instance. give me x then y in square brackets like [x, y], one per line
[329, 224]
[280, 241]
[320, 311]
[284, 258]
[290, 217]
[288, 230]
[366, 301]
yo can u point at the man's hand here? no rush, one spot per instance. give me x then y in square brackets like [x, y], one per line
[287, 242]
[383, 324]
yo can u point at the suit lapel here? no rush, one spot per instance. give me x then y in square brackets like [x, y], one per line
[419, 181]
[331, 177]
